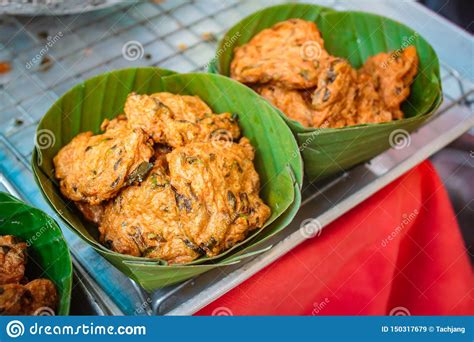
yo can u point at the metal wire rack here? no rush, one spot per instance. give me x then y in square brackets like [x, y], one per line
[50, 54]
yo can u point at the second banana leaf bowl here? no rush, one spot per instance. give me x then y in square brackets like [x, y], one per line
[354, 36]
[85, 106]
[48, 255]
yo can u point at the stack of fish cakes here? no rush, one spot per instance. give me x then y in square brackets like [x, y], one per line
[289, 66]
[18, 296]
[169, 179]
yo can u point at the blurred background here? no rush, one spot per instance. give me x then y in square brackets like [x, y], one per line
[455, 163]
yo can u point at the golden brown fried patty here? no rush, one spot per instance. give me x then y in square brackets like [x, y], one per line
[183, 107]
[93, 168]
[91, 212]
[341, 95]
[12, 259]
[202, 199]
[176, 120]
[15, 299]
[370, 107]
[334, 97]
[144, 220]
[29, 299]
[43, 295]
[287, 55]
[290, 102]
[217, 193]
[162, 216]
[392, 74]
[345, 97]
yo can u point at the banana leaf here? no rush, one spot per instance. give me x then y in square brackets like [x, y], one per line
[85, 106]
[48, 255]
[354, 36]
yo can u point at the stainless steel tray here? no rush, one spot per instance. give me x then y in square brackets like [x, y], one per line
[180, 35]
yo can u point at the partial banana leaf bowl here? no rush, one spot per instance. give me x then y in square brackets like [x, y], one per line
[48, 255]
[85, 106]
[354, 36]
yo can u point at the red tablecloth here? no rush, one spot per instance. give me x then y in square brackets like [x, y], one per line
[400, 252]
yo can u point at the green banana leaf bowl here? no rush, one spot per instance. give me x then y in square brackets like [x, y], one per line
[354, 36]
[48, 255]
[85, 106]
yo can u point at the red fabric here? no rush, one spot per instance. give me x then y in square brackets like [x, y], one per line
[352, 269]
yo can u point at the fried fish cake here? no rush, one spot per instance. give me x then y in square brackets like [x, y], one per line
[217, 193]
[92, 213]
[393, 73]
[177, 120]
[118, 123]
[184, 107]
[43, 295]
[202, 199]
[370, 107]
[285, 62]
[93, 168]
[355, 100]
[290, 102]
[333, 101]
[143, 220]
[287, 54]
[15, 299]
[12, 259]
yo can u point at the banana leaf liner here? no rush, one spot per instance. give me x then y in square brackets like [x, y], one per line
[48, 254]
[354, 36]
[85, 106]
